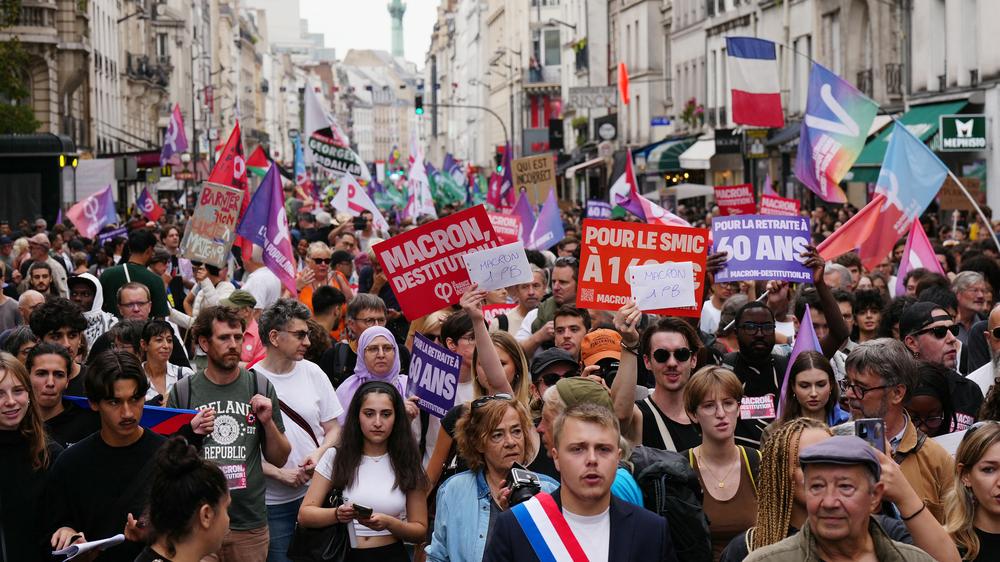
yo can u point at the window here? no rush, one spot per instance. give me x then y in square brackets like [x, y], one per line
[831, 41]
[162, 45]
[800, 73]
[553, 49]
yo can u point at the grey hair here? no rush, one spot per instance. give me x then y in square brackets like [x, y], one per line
[886, 358]
[23, 299]
[278, 315]
[843, 272]
[966, 279]
[364, 301]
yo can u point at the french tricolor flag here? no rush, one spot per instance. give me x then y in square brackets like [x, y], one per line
[753, 74]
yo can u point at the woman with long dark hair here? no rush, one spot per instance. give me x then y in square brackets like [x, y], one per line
[189, 506]
[812, 391]
[376, 466]
[27, 455]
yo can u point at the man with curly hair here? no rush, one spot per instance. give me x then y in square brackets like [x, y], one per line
[60, 321]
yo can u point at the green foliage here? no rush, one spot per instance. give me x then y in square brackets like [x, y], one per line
[15, 115]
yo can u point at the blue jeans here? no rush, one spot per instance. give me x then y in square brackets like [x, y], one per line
[281, 524]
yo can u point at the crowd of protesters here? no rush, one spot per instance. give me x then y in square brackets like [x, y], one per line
[652, 437]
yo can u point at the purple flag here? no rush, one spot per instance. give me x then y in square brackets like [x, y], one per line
[548, 229]
[805, 340]
[266, 225]
[93, 213]
[175, 140]
[527, 215]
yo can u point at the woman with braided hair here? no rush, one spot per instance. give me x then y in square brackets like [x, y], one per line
[781, 505]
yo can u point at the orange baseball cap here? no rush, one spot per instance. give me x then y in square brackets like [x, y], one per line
[600, 344]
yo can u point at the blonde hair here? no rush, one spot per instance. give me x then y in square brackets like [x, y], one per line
[31, 427]
[960, 502]
[521, 385]
[591, 413]
[474, 427]
[708, 380]
[318, 247]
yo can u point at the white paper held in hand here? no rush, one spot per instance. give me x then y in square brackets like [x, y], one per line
[662, 285]
[74, 550]
[498, 267]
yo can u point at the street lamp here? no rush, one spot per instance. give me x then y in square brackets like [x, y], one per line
[554, 21]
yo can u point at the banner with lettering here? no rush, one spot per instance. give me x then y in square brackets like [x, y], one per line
[762, 247]
[507, 227]
[424, 266]
[776, 205]
[211, 231]
[735, 199]
[610, 248]
[434, 374]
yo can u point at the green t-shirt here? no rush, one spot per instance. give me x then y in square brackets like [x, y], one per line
[112, 279]
[236, 443]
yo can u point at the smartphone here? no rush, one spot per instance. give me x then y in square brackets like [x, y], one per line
[363, 511]
[360, 223]
[871, 430]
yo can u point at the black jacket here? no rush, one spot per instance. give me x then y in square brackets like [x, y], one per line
[636, 535]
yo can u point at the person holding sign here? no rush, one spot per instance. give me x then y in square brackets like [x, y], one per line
[492, 434]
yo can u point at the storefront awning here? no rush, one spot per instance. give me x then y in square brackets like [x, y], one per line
[699, 155]
[665, 156]
[689, 190]
[921, 120]
[570, 172]
[789, 134]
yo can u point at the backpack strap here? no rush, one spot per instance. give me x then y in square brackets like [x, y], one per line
[752, 462]
[900, 457]
[183, 391]
[668, 441]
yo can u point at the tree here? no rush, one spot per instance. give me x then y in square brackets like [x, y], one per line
[16, 116]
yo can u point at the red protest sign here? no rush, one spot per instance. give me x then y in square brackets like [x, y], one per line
[610, 247]
[507, 227]
[774, 205]
[735, 199]
[491, 311]
[424, 266]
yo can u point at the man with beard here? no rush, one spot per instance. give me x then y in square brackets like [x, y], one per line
[40, 279]
[85, 292]
[250, 428]
[880, 374]
[985, 375]
[970, 290]
[38, 252]
[570, 325]
[931, 335]
[528, 296]
[537, 330]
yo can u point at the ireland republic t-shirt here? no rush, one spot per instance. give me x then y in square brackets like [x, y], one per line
[236, 443]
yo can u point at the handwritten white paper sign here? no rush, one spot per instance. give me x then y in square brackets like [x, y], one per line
[498, 267]
[662, 285]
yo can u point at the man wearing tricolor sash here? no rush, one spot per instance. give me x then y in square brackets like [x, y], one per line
[581, 521]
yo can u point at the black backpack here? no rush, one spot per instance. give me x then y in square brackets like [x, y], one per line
[670, 488]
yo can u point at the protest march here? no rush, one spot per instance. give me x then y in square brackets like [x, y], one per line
[331, 361]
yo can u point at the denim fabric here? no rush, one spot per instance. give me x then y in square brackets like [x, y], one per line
[281, 523]
[466, 521]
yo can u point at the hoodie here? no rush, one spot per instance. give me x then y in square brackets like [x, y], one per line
[98, 321]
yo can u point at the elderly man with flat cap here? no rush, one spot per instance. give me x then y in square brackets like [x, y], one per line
[842, 486]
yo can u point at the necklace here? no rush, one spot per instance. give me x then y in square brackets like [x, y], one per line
[378, 458]
[721, 482]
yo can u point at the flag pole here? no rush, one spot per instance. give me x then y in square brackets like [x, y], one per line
[979, 211]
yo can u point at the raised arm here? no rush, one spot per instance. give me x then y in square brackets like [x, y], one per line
[489, 360]
[838, 333]
[623, 388]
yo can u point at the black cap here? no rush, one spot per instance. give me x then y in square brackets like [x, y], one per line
[341, 256]
[547, 358]
[918, 315]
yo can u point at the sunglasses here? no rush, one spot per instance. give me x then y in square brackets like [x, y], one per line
[197, 263]
[754, 327]
[996, 332]
[550, 379]
[939, 332]
[482, 401]
[663, 355]
[321, 260]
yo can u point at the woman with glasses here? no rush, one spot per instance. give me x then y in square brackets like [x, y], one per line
[378, 360]
[376, 466]
[156, 345]
[316, 274]
[812, 391]
[930, 406]
[492, 434]
[973, 511]
[728, 472]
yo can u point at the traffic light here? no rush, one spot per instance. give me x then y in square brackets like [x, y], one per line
[418, 103]
[498, 159]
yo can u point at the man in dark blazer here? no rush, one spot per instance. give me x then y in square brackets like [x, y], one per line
[606, 529]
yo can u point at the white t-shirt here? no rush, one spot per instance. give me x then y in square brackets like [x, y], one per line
[524, 332]
[308, 392]
[710, 317]
[593, 532]
[174, 374]
[373, 487]
[264, 285]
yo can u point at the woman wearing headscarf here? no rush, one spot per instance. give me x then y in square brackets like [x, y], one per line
[378, 360]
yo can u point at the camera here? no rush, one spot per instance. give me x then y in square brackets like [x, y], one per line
[609, 369]
[522, 483]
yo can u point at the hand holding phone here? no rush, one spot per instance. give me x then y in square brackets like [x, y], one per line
[871, 430]
[362, 511]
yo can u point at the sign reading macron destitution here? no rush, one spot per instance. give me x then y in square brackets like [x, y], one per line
[735, 199]
[762, 247]
[434, 376]
[424, 266]
[610, 248]
[507, 227]
[775, 205]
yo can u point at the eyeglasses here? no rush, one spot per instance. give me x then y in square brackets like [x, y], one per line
[859, 390]
[483, 400]
[322, 260]
[299, 335]
[938, 332]
[373, 321]
[754, 327]
[729, 406]
[134, 305]
[550, 379]
[996, 332]
[385, 349]
[663, 355]
[929, 421]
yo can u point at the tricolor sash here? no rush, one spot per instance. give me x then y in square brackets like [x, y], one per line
[547, 530]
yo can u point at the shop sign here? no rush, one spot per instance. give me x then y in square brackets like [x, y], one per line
[593, 97]
[728, 142]
[756, 143]
[963, 133]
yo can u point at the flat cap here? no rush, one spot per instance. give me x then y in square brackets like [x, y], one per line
[845, 450]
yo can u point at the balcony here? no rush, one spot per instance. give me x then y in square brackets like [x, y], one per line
[894, 79]
[865, 83]
[543, 76]
[142, 67]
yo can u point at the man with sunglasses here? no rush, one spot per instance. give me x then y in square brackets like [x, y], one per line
[985, 375]
[141, 243]
[880, 374]
[931, 335]
[538, 330]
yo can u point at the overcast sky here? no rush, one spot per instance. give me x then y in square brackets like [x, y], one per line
[365, 24]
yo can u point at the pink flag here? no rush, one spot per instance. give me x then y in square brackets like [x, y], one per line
[175, 140]
[625, 193]
[768, 188]
[917, 253]
[93, 213]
